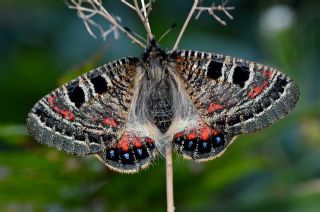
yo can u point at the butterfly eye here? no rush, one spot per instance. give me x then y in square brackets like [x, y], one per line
[218, 141]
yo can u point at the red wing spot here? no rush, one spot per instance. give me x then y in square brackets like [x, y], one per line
[123, 143]
[71, 116]
[205, 133]
[137, 143]
[267, 73]
[214, 107]
[55, 108]
[51, 100]
[110, 121]
[265, 84]
[192, 135]
[67, 115]
[215, 132]
[149, 140]
[179, 135]
[257, 90]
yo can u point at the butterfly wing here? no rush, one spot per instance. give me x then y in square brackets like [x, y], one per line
[89, 116]
[231, 97]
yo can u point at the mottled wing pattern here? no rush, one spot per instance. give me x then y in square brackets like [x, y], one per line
[88, 116]
[232, 96]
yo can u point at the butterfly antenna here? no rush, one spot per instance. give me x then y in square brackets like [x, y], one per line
[135, 34]
[167, 32]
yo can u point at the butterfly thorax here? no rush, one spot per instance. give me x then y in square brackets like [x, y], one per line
[156, 88]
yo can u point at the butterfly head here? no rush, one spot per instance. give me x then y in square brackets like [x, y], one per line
[153, 53]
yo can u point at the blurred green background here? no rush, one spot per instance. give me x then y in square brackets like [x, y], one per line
[43, 44]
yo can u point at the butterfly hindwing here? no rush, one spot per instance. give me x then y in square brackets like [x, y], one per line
[200, 142]
[89, 116]
[233, 96]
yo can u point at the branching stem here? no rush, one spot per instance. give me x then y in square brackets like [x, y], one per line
[94, 7]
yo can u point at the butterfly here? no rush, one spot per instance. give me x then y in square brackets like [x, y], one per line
[126, 112]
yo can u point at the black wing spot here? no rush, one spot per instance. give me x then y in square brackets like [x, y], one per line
[204, 146]
[94, 138]
[218, 141]
[59, 128]
[281, 84]
[141, 152]
[100, 84]
[274, 94]
[76, 95]
[266, 102]
[258, 108]
[240, 75]
[126, 157]
[42, 113]
[214, 70]
[112, 154]
[190, 144]
[247, 114]
[107, 138]
[80, 136]
[234, 120]
[111, 73]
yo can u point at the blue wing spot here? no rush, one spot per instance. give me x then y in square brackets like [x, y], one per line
[111, 153]
[218, 141]
[139, 151]
[126, 156]
[205, 145]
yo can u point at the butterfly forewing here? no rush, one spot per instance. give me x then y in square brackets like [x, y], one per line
[235, 95]
[89, 116]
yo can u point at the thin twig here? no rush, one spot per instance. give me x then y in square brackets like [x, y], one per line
[169, 179]
[148, 6]
[128, 4]
[87, 9]
[194, 6]
[211, 10]
[144, 19]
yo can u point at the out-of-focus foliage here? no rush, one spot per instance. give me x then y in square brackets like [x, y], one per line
[43, 44]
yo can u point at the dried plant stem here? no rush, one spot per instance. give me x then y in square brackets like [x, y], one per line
[142, 13]
[143, 17]
[169, 179]
[211, 10]
[94, 7]
[106, 15]
[194, 6]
